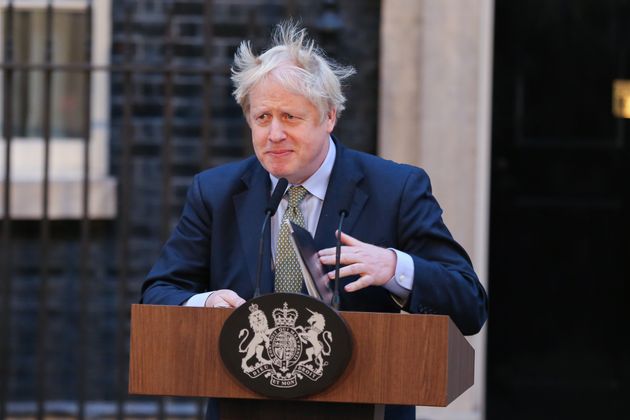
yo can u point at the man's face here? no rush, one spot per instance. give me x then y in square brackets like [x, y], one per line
[289, 137]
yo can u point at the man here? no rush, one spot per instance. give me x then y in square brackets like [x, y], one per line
[397, 253]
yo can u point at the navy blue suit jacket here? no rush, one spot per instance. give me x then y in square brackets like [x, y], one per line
[215, 243]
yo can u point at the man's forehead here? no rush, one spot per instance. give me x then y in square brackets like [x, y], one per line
[266, 94]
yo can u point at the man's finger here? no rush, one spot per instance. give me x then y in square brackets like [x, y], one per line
[224, 298]
[359, 284]
[326, 252]
[348, 256]
[345, 239]
[349, 240]
[332, 251]
[233, 299]
[349, 270]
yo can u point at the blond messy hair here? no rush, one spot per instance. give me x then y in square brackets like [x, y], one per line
[297, 64]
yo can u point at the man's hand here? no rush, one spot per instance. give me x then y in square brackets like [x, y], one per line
[374, 264]
[224, 298]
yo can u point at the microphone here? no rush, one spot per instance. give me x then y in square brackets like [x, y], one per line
[346, 202]
[270, 210]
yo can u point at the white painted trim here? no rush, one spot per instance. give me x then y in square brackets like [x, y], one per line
[65, 199]
[41, 4]
[66, 157]
[484, 138]
[483, 166]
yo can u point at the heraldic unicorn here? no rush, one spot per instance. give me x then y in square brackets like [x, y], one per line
[285, 352]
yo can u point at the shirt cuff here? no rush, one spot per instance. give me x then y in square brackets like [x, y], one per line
[198, 300]
[401, 284]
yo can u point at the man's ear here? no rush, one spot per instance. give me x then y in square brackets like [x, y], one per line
[331, 119]
[246, 115]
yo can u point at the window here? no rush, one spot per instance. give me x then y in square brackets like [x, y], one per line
[67, 109]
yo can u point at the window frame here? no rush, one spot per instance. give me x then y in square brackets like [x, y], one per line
[66, 154]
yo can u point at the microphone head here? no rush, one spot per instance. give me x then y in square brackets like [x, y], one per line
[276, 196]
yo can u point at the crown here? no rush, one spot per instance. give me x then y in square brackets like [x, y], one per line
[284, 317]
[254, 311]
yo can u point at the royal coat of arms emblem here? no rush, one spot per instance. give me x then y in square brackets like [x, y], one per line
[277, 352]
[295, 353]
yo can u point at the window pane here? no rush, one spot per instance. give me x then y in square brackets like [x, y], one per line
[67, 88]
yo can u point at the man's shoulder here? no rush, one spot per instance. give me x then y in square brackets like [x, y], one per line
[372, 165]
[228, 178]
[236, 169]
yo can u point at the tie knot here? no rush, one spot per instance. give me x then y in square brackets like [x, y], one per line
[296, 195]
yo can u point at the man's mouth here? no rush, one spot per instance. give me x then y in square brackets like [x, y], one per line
[279, 153]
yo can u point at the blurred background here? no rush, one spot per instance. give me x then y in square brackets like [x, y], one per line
[519, 112]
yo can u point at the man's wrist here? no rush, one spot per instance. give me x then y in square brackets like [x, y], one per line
[198, 300]
[401, 283]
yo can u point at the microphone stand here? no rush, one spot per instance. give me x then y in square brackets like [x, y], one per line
[261, 244]
[335, 299]
[274, 202]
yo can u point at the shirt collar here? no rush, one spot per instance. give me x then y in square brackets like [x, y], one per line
[317, 184]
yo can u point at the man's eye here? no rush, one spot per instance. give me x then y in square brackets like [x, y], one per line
[290, 117]
[262, 118]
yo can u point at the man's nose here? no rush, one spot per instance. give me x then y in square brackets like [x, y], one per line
[276, 130]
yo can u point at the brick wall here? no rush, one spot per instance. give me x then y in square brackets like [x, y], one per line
[355, 42]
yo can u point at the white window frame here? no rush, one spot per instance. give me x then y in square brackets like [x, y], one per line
[66, 154]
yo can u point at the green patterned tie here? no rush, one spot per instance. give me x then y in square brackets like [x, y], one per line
[288, 272]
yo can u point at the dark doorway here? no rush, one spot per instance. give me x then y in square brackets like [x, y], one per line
[560, 211]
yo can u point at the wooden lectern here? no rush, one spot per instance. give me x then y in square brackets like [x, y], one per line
[397, 359]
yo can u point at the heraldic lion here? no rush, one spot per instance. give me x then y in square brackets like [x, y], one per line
[259, 324]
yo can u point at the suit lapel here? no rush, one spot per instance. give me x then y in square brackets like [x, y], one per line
[250, 214]
[345, 178]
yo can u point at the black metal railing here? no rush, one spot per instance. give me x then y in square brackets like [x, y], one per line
[128, 70]
[117, 235]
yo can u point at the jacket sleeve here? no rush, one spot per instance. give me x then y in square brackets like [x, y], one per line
[182, 268]
[444, 280]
